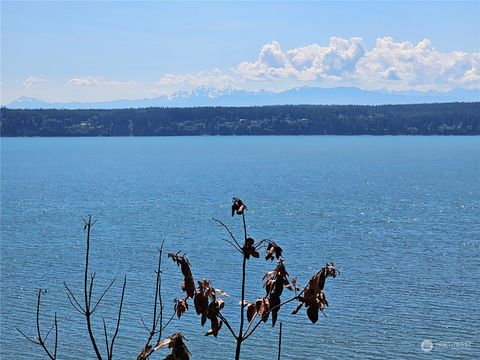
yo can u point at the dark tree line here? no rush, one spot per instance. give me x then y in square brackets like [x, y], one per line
[418, 119]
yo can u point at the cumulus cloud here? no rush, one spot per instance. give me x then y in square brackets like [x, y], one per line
[389, 65]
[32, 81]
[404, 66]
[91, 81]
[309, 63]
[272, 63]
[215, 78]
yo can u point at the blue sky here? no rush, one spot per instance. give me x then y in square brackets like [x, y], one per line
[93, 51]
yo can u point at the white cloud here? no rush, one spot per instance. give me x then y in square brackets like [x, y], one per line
[86, 81]
[173, 82]
[91, 81]
[32, 81]
[405, 66]
[119, 83]
[310, 63]
[389, 65]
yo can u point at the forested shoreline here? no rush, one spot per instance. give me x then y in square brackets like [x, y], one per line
[415, 119]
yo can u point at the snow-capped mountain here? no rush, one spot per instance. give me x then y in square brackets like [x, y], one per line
[204, 96]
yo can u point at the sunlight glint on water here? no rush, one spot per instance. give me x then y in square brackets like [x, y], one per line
[398, 215]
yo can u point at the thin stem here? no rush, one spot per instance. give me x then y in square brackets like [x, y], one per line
[56, 338]
[166, 324]
[246, 335]
[220, 315]
[38, 316]
[242, 315]
[145, 325]
[119, 318]
[38, 340]
[280, 341]
[76, 305]
[240, 338]
[90, 289]
[234, 246]
[228, 230]
[26, 337]
[106, 337]
[158, 295]
[250, 323]
[85, 279]
[86, 293]
[103, 294]
[244, 226]
[48, 333]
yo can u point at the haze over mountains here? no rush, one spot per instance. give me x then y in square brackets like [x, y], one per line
[203, 96]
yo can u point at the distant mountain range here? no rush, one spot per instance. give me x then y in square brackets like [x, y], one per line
[230, 97]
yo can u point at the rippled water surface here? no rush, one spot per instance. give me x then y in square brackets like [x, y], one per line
[398, 215]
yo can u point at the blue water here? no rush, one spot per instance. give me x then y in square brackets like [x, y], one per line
[398, 215]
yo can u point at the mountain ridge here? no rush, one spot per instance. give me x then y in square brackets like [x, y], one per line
[204, 96]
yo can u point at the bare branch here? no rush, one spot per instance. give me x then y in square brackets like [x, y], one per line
[56, 337]
[261, 242]
[220, 315]
[90, 290]
[242, 303]
[34, 340]
[103, 294]
[38, 340]
[48, 333]
[250, 323]
[106, 337]
[280, 341]
[75, 302]
[158, 295]
[234, 246]
[167, 323]
[75, 306]
[228, 230]
[244, 226]
[119, 318]
[87, 295]
[144, 325]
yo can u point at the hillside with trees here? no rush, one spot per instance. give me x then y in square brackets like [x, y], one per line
[415, 119]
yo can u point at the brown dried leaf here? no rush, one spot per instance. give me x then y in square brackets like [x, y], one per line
[162, 344]
[238, 206]
[221, 292]
[188, 284]
[273, 251]
[201, 303]
[216, 325]
[262, 306]
[251, 311]
[312, 312]
[268, 274]
[249, 248]
[180, 307]
[314, 297]
[274, 302]
[220, 304]
[292, 285]
[177, 345]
